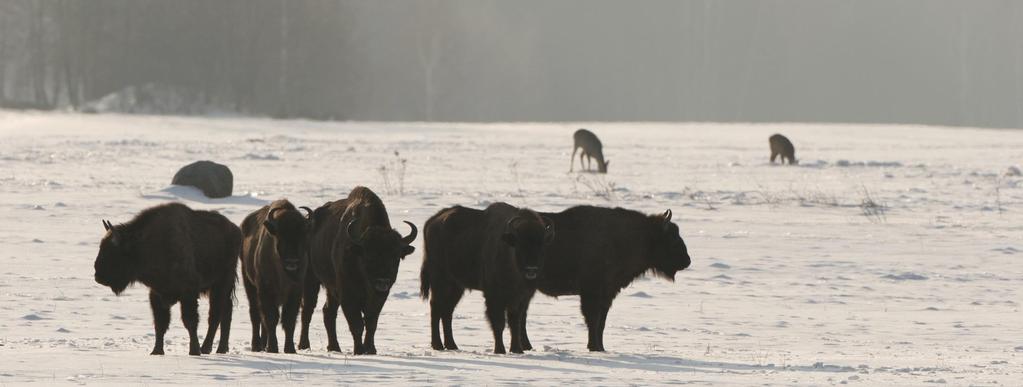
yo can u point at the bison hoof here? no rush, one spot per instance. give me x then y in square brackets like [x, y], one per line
[222, 349]
[303, 344]
[206, 350]
[451, 346]
[527, 347]
[157, 352]
[333, 348]
[437, 346]
[499, 351]
[371, 351]
[289, 349]
[516, 350]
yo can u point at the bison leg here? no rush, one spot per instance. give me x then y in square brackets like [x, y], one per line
[161, 320]
[594, 309]
[310, 293]
[226, 310]
[288, 317]
[442, 309]
[775, 155]
[513, 327]
[372, 313]
[190, 317]
[217, 310]
[526, 346]
[353, 314]
[495, 314]
[211, 330]
[330, 323]
[271, 316]
[257, 321]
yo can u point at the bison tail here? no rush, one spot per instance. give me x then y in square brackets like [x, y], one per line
[424, 272]
[424, 280]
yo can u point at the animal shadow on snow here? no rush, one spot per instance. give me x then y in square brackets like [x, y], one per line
[316, 364]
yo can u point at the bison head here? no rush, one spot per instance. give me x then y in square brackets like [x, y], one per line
[669, 250]
[528, 234]
[291, 231]
[114, 263]
[378, 251]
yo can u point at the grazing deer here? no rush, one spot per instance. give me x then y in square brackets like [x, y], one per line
[781, 146]
[592, 149]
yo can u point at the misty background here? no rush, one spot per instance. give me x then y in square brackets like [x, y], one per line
[939, 62]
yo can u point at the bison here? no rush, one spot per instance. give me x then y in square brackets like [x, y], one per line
[599, 251]
[781, 146]
[179, 253]
[274, 264]
[354, 253]
[498, 250]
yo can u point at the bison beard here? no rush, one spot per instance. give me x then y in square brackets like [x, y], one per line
[354, 253]
[179, 254]
[599, 251]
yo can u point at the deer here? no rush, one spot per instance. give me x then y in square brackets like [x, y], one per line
[592, 149]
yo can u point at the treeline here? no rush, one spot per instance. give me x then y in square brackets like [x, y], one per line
[944, 62]
[258, 56]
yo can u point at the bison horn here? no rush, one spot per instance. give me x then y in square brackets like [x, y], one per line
[408, 239]
[667, 215]
[308, 212]
[106, 225]
[271, 214]
[351, 237]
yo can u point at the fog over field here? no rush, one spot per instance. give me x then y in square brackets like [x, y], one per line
[942, 62]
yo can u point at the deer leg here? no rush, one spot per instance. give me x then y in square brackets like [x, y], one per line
[571, 159]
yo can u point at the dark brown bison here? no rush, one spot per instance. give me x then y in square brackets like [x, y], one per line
[781, 146]
[179, 253]
[354, 253]
[498, 250]
[274, 265]
[599, 251]
[592, 149]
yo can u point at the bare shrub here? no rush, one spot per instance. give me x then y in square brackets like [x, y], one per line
[392, 173]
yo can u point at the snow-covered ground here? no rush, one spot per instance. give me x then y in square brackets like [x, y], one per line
[793, 281]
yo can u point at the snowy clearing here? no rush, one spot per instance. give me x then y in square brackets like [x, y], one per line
[890, 255]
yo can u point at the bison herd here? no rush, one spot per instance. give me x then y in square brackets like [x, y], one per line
[349, 248]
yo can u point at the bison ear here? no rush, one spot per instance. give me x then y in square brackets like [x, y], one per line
[508, 238]
[406, 251]
[270, 227]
